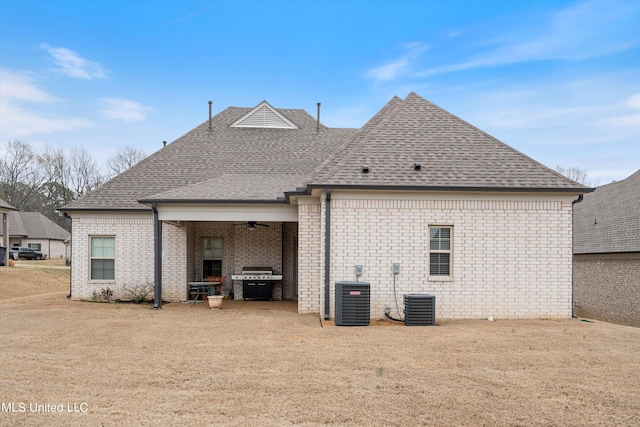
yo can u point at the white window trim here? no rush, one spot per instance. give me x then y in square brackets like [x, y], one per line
[438, 277]
[105, 281]
[221, 259]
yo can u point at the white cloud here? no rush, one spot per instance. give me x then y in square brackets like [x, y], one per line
[398, 67]
[21, 87]
[73, 65]
[18, 121]
[123, 109]
[584, 30]
[626, 120]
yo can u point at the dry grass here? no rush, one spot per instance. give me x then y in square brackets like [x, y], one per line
[261, 364]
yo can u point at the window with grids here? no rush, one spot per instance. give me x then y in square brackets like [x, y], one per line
[212, 257]
[440, 251]
[103, 254]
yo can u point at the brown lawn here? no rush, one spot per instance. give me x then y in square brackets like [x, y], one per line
[263, 364]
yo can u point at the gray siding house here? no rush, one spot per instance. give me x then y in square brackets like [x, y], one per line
[484, 228]
[36, 231]
[606, 249]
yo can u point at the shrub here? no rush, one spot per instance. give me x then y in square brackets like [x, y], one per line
[105, 295]
[138, 293]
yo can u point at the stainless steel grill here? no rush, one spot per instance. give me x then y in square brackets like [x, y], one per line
[257, 273]
[257, 282]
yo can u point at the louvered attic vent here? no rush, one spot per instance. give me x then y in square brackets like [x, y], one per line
[264, 116]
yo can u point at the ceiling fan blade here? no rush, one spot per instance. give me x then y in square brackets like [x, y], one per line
[251, 224]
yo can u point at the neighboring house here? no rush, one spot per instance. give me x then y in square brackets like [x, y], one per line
[484, 228]
[5, 209]
[606, 248]
[36, 231]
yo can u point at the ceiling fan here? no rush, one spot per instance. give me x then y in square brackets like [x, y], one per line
[252, 225]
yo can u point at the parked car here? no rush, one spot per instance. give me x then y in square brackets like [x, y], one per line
[24, 253]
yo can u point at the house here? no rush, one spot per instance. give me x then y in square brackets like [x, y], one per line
[606, 253]
[36, 231]
[484, 228]
[5, 208]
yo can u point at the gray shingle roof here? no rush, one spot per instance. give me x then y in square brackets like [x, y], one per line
[198, 164]
[6, 206]
[608, 220]
[34, 225]
[452, 154]
[259, 164]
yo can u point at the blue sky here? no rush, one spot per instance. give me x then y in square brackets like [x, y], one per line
[557, 80]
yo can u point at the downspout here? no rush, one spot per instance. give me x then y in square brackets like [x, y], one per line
[157, 272]
[578, 200]
[66, 215]
[327, 254]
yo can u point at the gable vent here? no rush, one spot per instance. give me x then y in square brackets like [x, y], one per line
[264, 116]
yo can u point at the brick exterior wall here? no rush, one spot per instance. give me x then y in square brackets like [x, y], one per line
[511, 255]
[181, 253]
[607, 287]
[261, 247]
[134, 252]
[310, 258]
[511, 258]
[174, 262]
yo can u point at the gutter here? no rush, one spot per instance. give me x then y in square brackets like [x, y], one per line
[157, 271]
[448, 189]
[327, 254]
[578, 200]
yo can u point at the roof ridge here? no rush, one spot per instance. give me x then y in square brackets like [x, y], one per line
[351, 146]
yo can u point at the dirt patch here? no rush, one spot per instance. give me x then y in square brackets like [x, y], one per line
[32, 278]
[124, 364]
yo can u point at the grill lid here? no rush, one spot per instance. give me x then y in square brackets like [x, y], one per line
[257, 270]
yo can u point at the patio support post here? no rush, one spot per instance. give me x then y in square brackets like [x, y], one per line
[327, 254]
[5, 237]
[157, 273]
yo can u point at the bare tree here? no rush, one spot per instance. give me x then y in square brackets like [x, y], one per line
[84, 174]
[123, 159]
[55, 193]
[21, 174]
[577, 174]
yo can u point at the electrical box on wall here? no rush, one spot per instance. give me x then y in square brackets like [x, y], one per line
[396, 268]
[358, 270]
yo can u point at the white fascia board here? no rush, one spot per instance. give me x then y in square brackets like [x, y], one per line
[451, 195]
[252, 212]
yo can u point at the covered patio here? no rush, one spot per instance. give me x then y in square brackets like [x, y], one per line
[195, 242]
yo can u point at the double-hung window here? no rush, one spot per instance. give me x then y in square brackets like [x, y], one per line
[440, 251]
[212, 256]
[103, 254]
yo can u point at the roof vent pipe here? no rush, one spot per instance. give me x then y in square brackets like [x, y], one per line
[164, 143]
[210, 103]
[417, 166]
[318, 121]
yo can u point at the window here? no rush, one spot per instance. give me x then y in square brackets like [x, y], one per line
[211, 257]
[440, 251]
[103, 253]
[35, 246]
